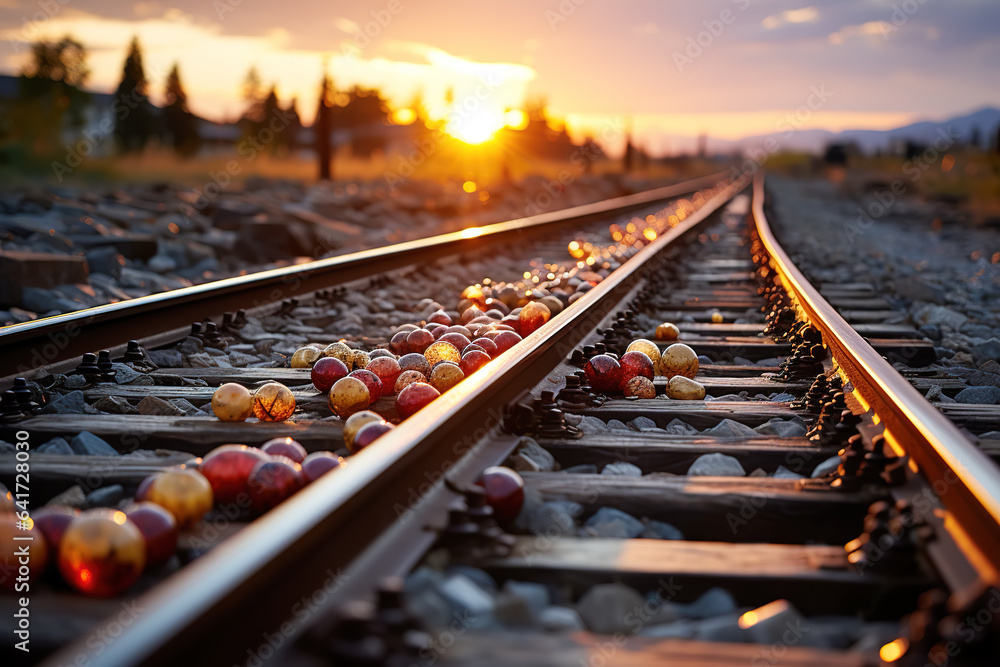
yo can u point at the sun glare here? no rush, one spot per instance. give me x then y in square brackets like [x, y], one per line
[476, 127]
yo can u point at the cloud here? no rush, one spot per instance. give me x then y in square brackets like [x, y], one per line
[803, 15]
[869, 29]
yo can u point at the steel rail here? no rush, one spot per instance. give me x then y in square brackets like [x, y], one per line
[932, 442]
[225, 604]
[73, 334]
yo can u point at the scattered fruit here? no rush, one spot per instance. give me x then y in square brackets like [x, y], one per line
[685, 389]
[232, 402]
[159, 531]
[369, 433]
[318, 464]
[283, 447]
[413, 397]
[678, 359]
[639, 387]
[10, 565]
[348, 396]
[603, 373]
[504, 492]
[271, 482]
[667, 331]
[227, 468]
[326, 372]
[273, 402]
[647, 347]
[354, 424]
[102, 553]
[305, 357]
[186, 494]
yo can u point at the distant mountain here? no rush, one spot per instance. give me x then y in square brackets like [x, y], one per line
[985, 121]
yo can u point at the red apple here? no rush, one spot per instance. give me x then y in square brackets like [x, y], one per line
[271, 482]
[504, 492]
[472, 361]
[52, 521]
[318, 464]
[413, 397]
[506, 340]
[158, 528]
[284, 447]
[227, 468]
[488, 346]
[371, 380]
[326, 372]
[369, 433]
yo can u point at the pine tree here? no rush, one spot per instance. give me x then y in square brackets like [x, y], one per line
[322, 127]
[135, 123]
[179, 124]
[288, 136]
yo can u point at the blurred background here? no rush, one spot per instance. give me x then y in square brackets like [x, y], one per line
[173, 143]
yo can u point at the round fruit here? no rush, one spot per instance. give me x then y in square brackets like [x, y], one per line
[685, 389]
[232, 402]
[379, 352]
[398, 342]
[372, 381]
[318, 464]
[51, 521]
[102, 553]
[532, 316]
[473, 360]
[488, 346]
[639, 387]
[273, 402]
[10, 559]
[717, 317]
[354, 424]
[226, 468]
[419, 340]
[369, 433]
[159, 530]
[304, 357]
[667, 331]
[506, 340]
[271, 482]
[440, 317]
[407, 378]
[283, 447]
[636, 364]
[504, 492]
[413, 397]
[647, 347]
[387, 369]
[603, 373]
[459, 340]
[442, 350]
[348, 396]
[340, 350]
[184, 493]
[678, 359]
[414, 362]
[326, 372]
[446, 375]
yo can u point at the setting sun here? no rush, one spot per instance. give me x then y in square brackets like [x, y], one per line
[476, 127]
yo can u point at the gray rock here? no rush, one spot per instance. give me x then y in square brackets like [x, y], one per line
[758, 472]
[617, 425]
[105, 259]
[72, 403]
[622, 469]
[464, 595]
[990, 366]
[782, 397]
[609, 522]
[556, 517]
[591, 424]
[779, 617]
[784, 473]
[107, 496]
[937, 394]
[657, 530]
[644, 425]
[582, 469]
[977, 330]
[678, 427]
[125, 374]
[826, 467]
[940, 315]
[722, 629]
[716, 465]
[71, 497]
[186, 407]
[190, 345]
[7, 447]
[931, 331]
[979, 395]
[481, 577]
[76, 382]
[151, 405]
[532, 457]
[88, 444]
[55, 446]
[983, 378]
[988, 350]
[39, 300]
[683, 629]
[560, 619]
[166, 358]
[782, 428]
[917, 289]
[115, 405]
[704, 361]
[728, 428]
[520, 604]
[713, 602]
[604, 608]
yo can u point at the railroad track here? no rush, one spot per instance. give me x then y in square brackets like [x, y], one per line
[740, 560]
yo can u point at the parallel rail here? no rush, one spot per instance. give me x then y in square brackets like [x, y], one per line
[913, 426]
[101, 327]
[329, 528]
